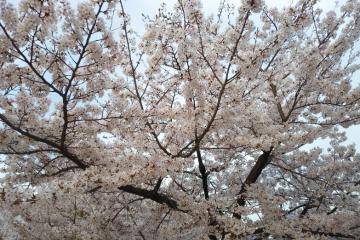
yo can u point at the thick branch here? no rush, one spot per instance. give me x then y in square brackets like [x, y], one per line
[203, 173]
[254, 174]
[148, 194]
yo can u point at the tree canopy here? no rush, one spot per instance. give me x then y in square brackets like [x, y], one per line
[203, 127]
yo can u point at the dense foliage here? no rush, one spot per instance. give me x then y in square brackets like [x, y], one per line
[201, 128]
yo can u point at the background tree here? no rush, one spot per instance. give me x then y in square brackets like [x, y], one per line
[195, 130]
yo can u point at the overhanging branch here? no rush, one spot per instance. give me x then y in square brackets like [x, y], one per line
[254, 174]
[150, 194]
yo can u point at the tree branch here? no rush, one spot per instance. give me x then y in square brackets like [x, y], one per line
[203, 173]
[53, 144]
[149, 194]
[254, 174]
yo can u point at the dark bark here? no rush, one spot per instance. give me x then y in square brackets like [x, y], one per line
[254, 174]
[149, 194]
[203, 173]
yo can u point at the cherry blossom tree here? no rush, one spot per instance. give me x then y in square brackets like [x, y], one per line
[201, 128]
